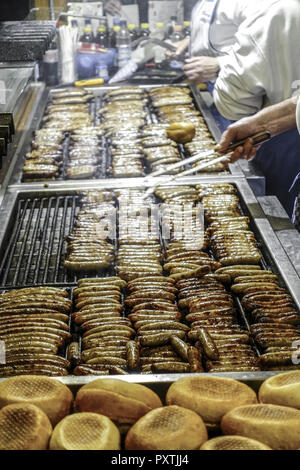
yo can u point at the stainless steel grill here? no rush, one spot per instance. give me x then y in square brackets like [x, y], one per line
[104, 167]
[36, 244]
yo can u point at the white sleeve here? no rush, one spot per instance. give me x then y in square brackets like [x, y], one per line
[239, 90]
[263, 64]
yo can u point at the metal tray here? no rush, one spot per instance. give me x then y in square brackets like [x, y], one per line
[65, 197]
[201, 102]
[59, 202]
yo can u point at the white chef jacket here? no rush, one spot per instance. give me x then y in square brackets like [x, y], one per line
[215, 23]
[262, 66]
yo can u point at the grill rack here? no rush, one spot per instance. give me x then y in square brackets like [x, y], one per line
[37, 227]
[104, 167]
[37, 245]
[93, 107]
[273, 258]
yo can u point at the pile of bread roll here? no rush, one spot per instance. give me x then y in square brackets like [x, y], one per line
[39, 413]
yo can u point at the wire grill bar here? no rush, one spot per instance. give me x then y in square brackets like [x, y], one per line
[37, 247]
[43, 243]
[7, 259]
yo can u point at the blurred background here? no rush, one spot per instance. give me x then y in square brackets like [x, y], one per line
[46, 9]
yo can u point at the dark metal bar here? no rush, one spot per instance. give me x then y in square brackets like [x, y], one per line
[43, 242]
[21, 254]
[64, 231]
[33, 243]
[50, 250]
[9, 253]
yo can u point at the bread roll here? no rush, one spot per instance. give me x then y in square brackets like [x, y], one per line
[233, 443]
[24, 427]
[85, 431]
[51, 396]
[210, 397]
[282, 389]
[275, 426]
[121, 401]
[167, 428]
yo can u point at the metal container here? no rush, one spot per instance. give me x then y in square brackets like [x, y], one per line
[34, 221]
[201, 101]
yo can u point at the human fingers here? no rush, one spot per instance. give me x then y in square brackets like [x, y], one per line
[236, 155]
[252, 153]
[190, 60]
[248, 149]
[229, 136]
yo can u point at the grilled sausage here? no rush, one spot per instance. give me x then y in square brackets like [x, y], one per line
[159, 339]
[89, 370]
[115, 370]
[133, 355]
[194, 358]
[208, 345]
[180, 347]
[170, 367]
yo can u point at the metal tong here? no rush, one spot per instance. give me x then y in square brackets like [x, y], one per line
[170, 47]
[258, 139]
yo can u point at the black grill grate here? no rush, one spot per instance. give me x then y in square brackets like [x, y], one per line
[37, 247]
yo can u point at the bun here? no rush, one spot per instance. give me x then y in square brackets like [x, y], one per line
[167, 428]
[51, 396]
[210, 397]
[233, 443]
[276, 426]
[24, 427]
[121, 401]
[282, 389]
[85, 431]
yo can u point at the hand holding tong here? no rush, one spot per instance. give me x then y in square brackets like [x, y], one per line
[258, 139]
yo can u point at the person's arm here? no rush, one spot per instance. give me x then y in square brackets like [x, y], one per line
[201, 69]
[275, 119]
[183, 45]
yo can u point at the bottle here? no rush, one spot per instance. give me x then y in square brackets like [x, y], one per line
[145, 30]
[50, 64]
[123, 43]
[159, 31]
[171, 25]
[102, 37]
[87, 35]
[175, 38]
[103, 22]
[159, 52]
[186, 28]
[114, 31]
[132, 31]
[74, 24]
[101, 71]
[177, 34]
